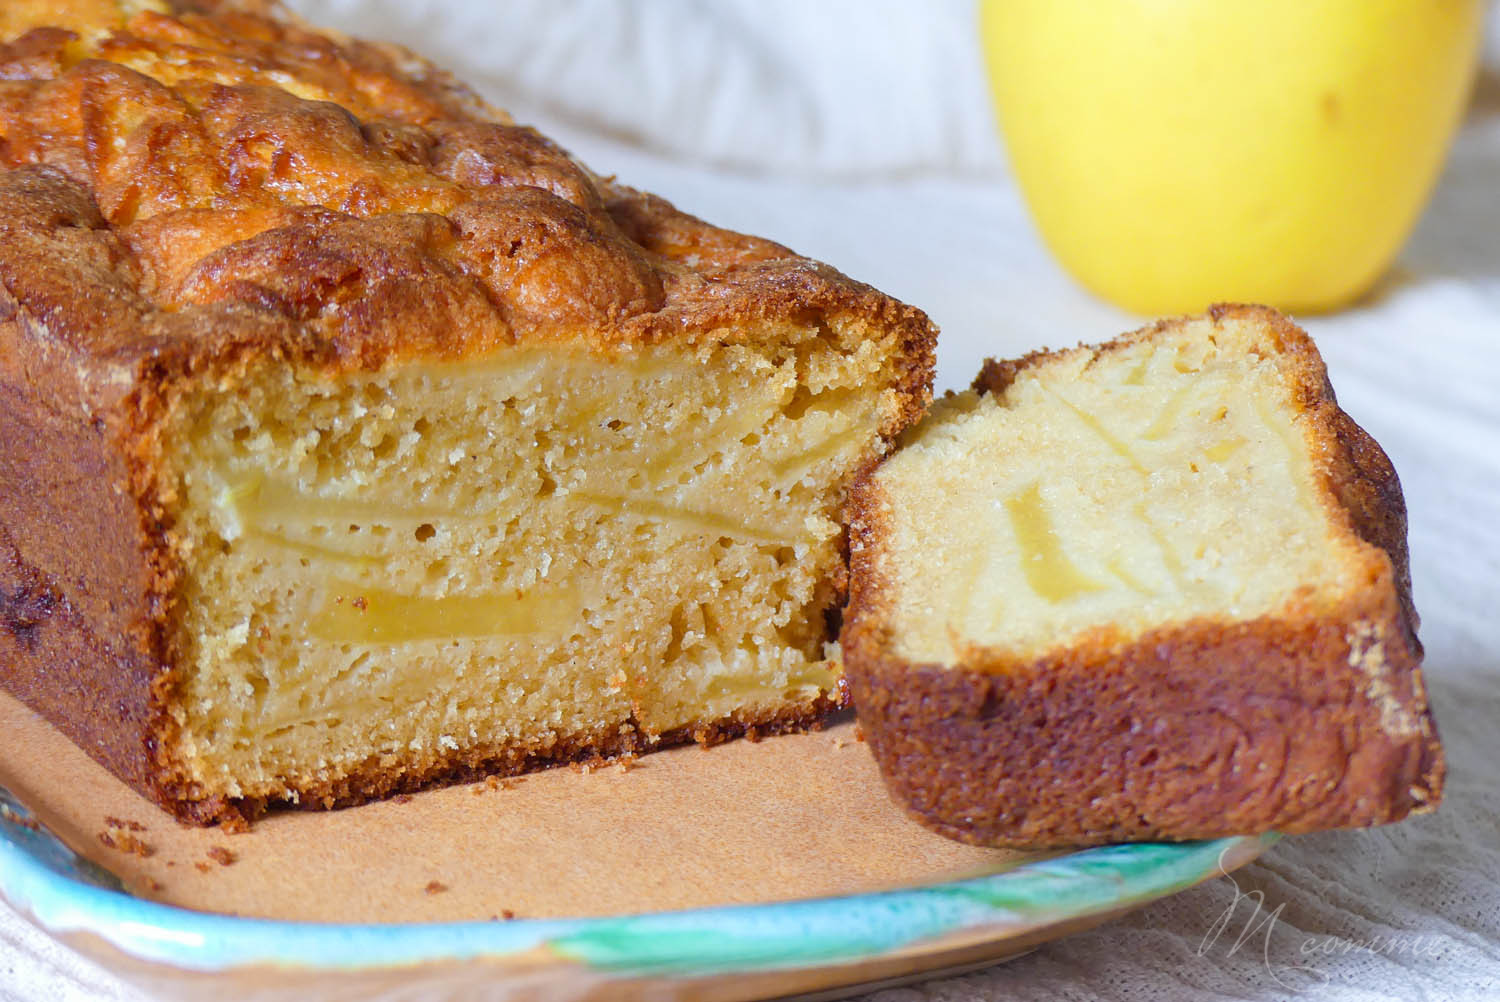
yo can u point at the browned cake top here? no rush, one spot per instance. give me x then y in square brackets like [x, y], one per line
[189, 178]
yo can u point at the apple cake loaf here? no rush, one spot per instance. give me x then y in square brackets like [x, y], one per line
[1154, 589]
[353, 438]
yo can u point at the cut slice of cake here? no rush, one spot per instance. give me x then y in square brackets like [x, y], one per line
[1154, 589]
[353, 438]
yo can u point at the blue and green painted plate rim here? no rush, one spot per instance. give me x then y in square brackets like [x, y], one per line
[68, 895]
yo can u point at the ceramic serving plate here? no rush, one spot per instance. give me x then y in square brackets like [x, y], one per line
[751, 871]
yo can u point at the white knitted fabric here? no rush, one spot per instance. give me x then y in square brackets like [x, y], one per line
[860, 133]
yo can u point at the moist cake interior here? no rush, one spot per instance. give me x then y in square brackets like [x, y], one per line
[1163, 481]
[545, 548]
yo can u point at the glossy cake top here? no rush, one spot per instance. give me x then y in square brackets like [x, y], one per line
[180, 174]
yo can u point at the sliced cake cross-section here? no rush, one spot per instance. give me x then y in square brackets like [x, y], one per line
[1154, 589]
[353, 438]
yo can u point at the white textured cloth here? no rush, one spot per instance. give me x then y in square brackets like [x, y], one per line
[835, 88]
[860, 133]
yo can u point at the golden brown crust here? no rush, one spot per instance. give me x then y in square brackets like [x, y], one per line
[190, 192]
[333, 217]
[1308, 719]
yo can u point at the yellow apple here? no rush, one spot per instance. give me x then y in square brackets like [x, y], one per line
[1176, 153]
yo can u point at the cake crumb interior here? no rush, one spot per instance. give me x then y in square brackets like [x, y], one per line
[1158, 482]
[546, 547]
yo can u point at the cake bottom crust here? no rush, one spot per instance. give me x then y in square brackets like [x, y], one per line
[1206, 730]
[373, 780]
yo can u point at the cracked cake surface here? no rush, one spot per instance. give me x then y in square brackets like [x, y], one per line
[355, 437]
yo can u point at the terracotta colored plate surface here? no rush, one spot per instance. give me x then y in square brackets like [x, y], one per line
[750, 870]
